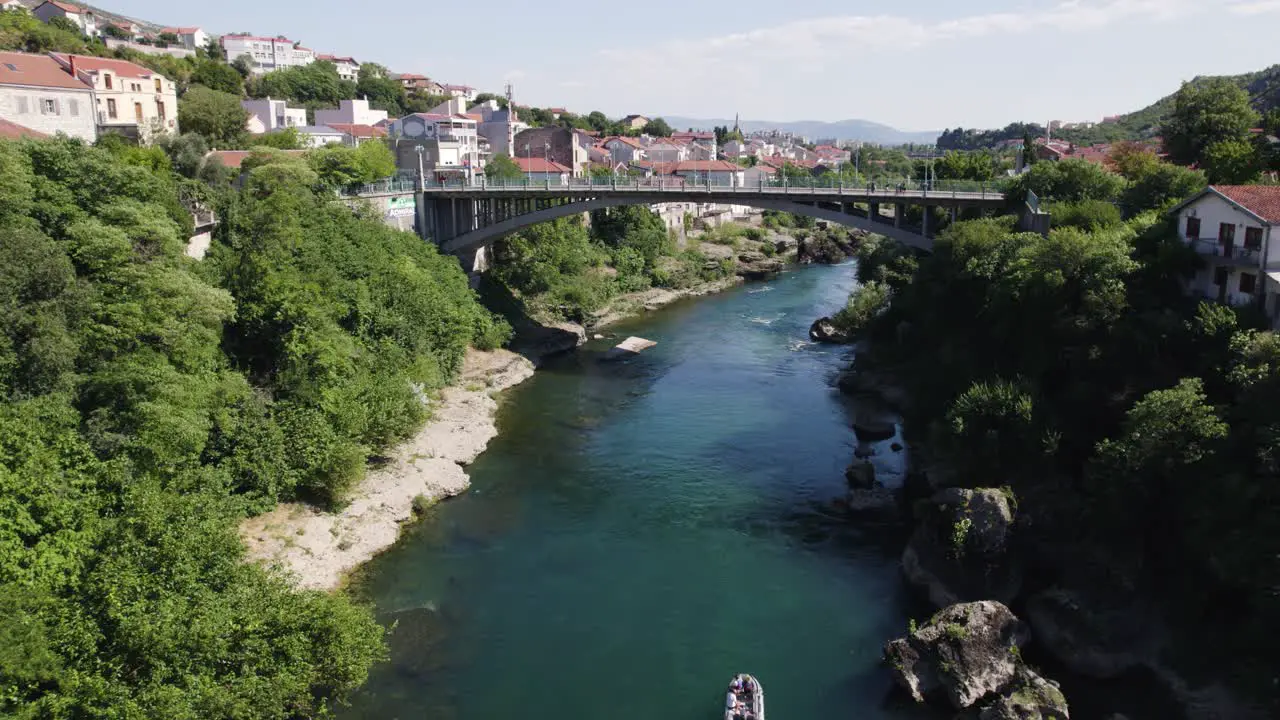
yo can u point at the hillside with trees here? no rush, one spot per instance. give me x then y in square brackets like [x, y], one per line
[1262, 87]
[148, 403]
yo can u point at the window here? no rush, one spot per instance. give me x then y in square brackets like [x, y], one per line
[1253, 238]
[160, 110]
[1193, 228]
[75, 107]
[23, 107]
[1226, 234]
[1220, 276]
[106, 80]
[11, 66]
[137, 113]
[48, 106]
[111, 108]
[1248, 281]
[159, 86]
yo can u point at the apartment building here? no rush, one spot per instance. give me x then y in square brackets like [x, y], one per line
[132, 100]
[266, 53]
[37, 94]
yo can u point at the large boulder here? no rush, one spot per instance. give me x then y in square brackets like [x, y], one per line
[1090, 636]
[965, 653]
[760, 269]
[874, 430]
[825, 331]
[1028, 697]
[960, 549]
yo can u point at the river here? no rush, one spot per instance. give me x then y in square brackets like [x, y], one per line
[641, 530]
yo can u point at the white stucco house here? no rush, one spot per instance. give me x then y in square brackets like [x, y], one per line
[625, 149]
[38, 94]
[314, 136]
[351, 112]
[130, 99]
[1230, 226]
[715, 172]
[266, 115]
[81, 17]
[190, 38]
[266, 53]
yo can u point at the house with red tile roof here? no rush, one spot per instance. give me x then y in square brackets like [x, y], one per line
[1233, 227]
[82, 17]
[130, 99]
[348, 68]
[38, 94]
[14, 131]
[541, 170]
[353, 135]
[266, 53]
[190, 38]
[624, 149]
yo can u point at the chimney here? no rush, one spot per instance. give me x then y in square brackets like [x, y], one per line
[73, 66]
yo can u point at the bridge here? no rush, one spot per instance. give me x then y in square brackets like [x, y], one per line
[464, 218]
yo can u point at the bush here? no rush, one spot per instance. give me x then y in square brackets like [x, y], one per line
[865, 303]
[1086, 215]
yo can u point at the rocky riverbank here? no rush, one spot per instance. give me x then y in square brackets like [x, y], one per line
[974, 547]
[317, 549]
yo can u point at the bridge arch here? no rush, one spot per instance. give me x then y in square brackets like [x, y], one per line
[471, 241]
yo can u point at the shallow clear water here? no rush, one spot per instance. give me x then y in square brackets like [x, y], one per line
[640, 531]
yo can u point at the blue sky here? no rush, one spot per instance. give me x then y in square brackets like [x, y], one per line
[912, 64]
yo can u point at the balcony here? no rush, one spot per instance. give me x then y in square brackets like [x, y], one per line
[1230, 254]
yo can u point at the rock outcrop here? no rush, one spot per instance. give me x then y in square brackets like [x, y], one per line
[826, 247]
[1087, 637]
[1028, 697]
[874, 430]
[824, 330]
[965, 653]
[960, 550]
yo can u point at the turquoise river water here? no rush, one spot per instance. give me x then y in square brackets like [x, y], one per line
[641, 530]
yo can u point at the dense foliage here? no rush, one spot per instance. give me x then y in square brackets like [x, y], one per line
[565, 271]
[1133, 423]
[148, 402]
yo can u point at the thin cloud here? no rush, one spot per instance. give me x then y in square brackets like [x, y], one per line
[1259, 7]
[856, 34]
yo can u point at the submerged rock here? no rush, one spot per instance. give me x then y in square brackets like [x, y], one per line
[825, 331]
[874, 430]
[860, 475]
[960, 549]
[630, 347]
[965, 653]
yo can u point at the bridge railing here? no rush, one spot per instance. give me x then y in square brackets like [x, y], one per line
[713, 182]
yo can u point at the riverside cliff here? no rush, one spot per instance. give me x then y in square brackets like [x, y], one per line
[1046, 433]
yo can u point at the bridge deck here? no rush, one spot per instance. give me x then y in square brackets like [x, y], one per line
[726, 194]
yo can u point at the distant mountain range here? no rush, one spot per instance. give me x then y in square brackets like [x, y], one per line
[863, 130]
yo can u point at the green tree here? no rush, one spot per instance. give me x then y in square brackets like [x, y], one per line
[658, 127]
[1230, 162]
[1067, 181]
[1204, 114]
[58, 22]
[317, 83]
[284, 139]
[169, 38]
[1133, 161]
[1166, 184]
[376, 85]
[243, 64]
[216, 115]
[503, 168]
[218, 76]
